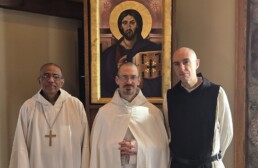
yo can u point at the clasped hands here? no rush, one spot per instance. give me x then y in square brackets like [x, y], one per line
[128, 147]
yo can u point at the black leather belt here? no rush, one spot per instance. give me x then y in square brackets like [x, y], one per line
[196, 162]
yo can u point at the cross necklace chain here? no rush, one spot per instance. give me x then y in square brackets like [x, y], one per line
[50, 135]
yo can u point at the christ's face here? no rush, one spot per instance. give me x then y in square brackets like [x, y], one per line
[129, 27]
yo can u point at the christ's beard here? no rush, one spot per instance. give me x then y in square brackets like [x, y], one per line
[129, 35]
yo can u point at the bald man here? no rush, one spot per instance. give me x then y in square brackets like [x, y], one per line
[198, 116]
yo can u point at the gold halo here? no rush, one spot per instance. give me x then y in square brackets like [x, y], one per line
[144, 12]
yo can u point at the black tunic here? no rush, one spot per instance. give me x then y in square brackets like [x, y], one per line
[192, 120]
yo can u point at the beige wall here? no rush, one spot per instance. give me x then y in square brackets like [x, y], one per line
[26, 42]
[209, 28]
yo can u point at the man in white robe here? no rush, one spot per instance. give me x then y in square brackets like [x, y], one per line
[52, 129]
[129, 132]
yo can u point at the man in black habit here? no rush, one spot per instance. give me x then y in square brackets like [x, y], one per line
[198, 116]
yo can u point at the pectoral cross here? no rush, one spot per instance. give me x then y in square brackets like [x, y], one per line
[50, 136]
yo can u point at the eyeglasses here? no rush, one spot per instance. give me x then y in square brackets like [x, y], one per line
[126, 78]
[56, 77]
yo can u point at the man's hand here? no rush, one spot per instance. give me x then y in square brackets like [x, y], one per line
[128, 147]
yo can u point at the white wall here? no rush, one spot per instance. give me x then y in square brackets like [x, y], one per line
[209, 28]
[27, 41]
